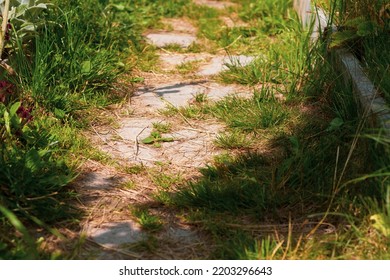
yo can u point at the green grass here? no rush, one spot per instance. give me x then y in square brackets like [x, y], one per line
[366, 35]
[148, 222]
[69, 66]
[188, 67]
[233, 140]
[295, 168]
[162, 127]
[377, 60]
[316, 168]
[250, 115]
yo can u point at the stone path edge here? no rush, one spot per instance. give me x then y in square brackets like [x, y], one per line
[345, 62]
[363, 88]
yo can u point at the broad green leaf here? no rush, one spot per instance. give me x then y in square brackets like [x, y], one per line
[149, 140]
[7, 122]
[86, 67]
[118, 7]
[137, 80]
[14, 108]
[169, 139]
[155, 134]
[14, 118]
[34, 11]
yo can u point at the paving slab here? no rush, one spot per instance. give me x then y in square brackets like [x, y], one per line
[182, 234]
[170, 38]
[192, 147]
[97, 181]
[182, 94]
[116, 234]
[220, 63]
[179, 94]
[147, 98]
[170, 61]
[134, 128]
[217, 91]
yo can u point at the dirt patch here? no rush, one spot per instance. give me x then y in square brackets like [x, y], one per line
[169, 61]
[233, 21]
[181, 25]
[214, 4]
[221, 63]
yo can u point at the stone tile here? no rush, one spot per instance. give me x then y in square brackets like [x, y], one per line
[136, 127]
[218, 64]
[116, 234]
[96, 181]
[164, 39]
[170, 61]
[179, 94]
[149, 99]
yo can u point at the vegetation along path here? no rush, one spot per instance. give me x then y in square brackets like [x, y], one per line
[165, 140]
[235, 139]
[209, 142]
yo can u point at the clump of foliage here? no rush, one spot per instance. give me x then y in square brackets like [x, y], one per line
[60, 58]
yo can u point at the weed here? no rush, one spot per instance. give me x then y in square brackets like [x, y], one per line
[148, 221]
[188, 67]
[250, 115]
[129, 185]
[232, 140]
[134, 169]
[156, 139]
[201, 98]
[162, 127]
[195, 111]
[165, 181]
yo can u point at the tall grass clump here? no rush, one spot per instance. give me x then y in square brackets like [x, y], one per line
[66, 60]
[60, 59]
[364, 27]
[267, 15]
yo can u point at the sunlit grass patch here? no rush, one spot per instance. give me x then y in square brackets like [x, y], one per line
[233, 140]
[250, 115]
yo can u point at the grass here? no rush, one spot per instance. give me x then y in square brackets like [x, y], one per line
[61, 72]
[316, 188]
[233, 140]
[147, 221]
[364, 30]
[311, 178]
[250, 191]
[250, 115]
[188, 67]
[162, 127]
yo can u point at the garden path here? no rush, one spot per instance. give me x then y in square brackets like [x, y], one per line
[110, 228]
